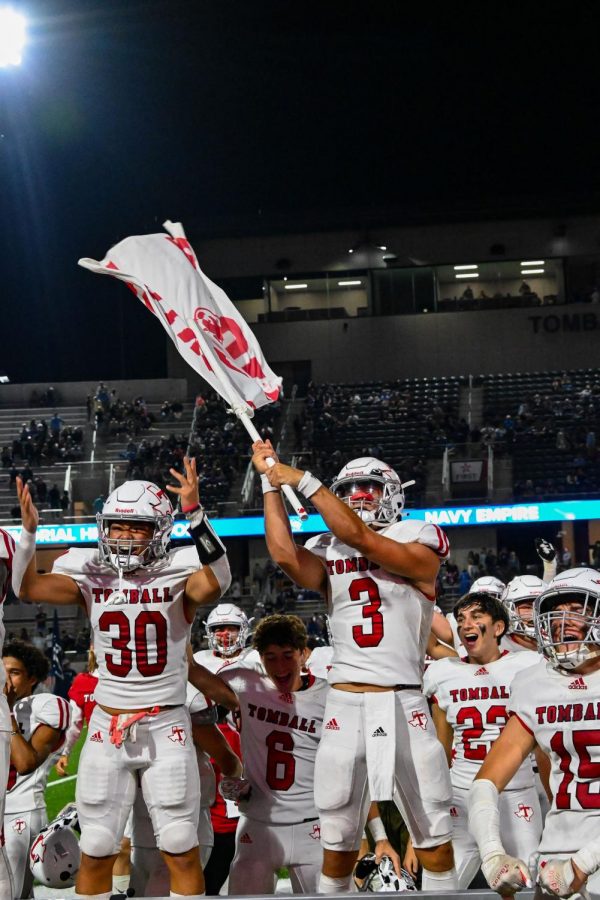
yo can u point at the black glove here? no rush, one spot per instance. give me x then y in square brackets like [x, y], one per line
[545, 550]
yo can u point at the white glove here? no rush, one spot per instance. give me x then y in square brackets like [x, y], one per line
[235, 789]
[506, 874]
[555, 877]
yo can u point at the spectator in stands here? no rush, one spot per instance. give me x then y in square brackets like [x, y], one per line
[464, 582]
[54, 497]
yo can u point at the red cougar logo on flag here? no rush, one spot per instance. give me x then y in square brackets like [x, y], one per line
[230, 344]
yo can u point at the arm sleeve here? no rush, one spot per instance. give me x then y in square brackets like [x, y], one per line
[74, 729]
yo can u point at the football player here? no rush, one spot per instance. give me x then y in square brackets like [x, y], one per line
[7, 552]
[469, 707]
[281, 718]
[82, 700]
[39, 725]
[141, 598]
[555, 705]
[227, 630]
[378, 574]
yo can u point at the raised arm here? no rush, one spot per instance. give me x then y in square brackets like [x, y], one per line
[28, 584]
[412, 560]
[209, 684]
[301, 565]
[211, 581]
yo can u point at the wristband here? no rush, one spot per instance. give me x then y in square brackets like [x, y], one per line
[377, 829]
[267, 487]
[309, 485]
[188, 510]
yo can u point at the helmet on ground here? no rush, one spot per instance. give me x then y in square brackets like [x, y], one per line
[227, 614]
[355, 485]
[555, 628]
[382, 877]
[488, 584]
[135, 502]
[522, 589]
[55, 856]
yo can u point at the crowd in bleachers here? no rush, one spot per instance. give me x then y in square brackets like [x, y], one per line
[42, 442]
[549, 423]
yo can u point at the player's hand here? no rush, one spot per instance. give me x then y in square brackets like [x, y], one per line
[560, 877]
[410, 861]
[235, 789]
[263, 450]
[506, 874]
[61, 765]
[384, 848]
[187, 486]
[29, 514]
[545, 550]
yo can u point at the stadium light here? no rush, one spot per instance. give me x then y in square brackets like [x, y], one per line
[12, 37]
[532, 271]
[458, 268]
[468, 275]
[295, 287]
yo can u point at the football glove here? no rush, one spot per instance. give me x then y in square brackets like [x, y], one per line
[235, 789]
[506, 874]
[545, 550]
[555, 877]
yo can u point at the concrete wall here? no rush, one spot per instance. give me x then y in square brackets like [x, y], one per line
[74, 393]
[516, 340]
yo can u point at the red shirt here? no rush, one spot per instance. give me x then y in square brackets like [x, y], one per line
[81, 692]
[218, 811]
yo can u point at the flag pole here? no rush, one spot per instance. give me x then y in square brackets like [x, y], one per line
[240, 409]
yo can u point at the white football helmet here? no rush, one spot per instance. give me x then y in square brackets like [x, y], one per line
[552, 626]
[55, 856]
[381, 877]
[522, 589]
[227, 614]
[488, 584]
[354, 486]
[135, 501]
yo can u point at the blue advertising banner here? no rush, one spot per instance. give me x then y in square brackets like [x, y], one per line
[253, 526]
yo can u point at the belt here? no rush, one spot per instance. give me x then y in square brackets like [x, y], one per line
[408, 687]
[315, 819]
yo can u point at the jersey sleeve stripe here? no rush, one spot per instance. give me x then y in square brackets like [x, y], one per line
[443, 544]
[10, 546]
[524, 724]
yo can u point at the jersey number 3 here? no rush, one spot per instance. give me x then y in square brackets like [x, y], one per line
[121, 665]
[358, 588]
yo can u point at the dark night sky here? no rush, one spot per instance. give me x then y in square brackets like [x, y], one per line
[126, 113]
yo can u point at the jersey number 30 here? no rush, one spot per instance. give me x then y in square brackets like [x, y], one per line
[121, 665]
[358, 588]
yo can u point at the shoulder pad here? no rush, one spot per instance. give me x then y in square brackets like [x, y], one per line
[411, 531]
[49, 709]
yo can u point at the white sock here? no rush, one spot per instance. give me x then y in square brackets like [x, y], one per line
[120, 883]
[189, 896]
[439, 881]
[329, 885]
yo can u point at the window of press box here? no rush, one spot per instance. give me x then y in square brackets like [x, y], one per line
[304, 298]
[499, 285]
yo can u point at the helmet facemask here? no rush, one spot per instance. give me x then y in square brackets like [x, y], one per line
[221, 616]
[128, 554]
[552, 626]
[357, 483]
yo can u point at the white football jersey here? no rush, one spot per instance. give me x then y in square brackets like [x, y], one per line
[320, 662]
[507, 642]
[7, 552]
[563, 714]
[279, 733]
[26, 792]
[379, 622]
[140, 645]
[475, 700]
[212, 662]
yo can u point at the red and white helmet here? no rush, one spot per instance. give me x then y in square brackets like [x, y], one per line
[227, 614]
[55, 856]
[522, 589]
[354, 486]
[580, 585]
[488, 584]
[135, 501]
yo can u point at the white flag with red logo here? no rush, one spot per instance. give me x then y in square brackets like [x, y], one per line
[163, 272]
